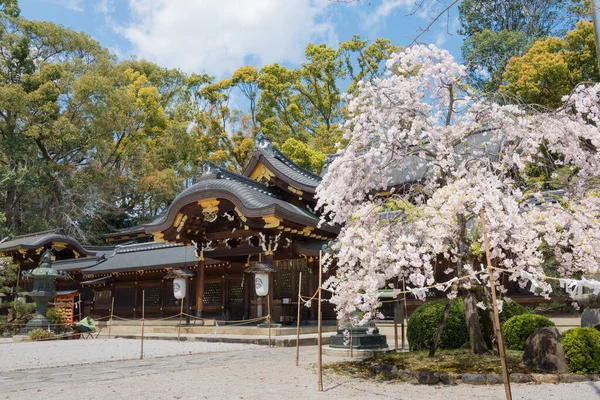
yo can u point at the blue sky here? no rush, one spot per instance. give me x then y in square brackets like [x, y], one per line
[218, 36]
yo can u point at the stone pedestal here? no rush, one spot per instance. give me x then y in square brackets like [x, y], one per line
[590, 318]
[361, 339]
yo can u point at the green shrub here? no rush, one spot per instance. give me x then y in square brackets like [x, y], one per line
[511, 309]
[423, 324]
[56, 318]
[582, 348]
[518, 328]
[23, 312]
[40, 334]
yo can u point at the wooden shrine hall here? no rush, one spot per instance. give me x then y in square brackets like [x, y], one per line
[213, 231]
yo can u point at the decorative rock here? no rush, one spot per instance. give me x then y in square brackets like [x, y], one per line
[495, 379]
[572, 378]
[406, 375]
[444, 378]
[546, 378]
[387, 371]
[521, 378]
[474, 379]
[590, 317]
[428, 377]
[594, 377]
[544, 351]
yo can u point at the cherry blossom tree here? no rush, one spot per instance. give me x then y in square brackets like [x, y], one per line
[425, 155]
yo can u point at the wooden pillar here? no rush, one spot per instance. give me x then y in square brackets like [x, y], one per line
[200, 286]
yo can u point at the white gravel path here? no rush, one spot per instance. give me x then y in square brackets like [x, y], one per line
[27, 355]
[221, 371]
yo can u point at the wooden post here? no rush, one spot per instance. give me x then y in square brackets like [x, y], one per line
[498, 327]
[180, 319]
[143, 310]
[269, 316]
[298, 319]
[320, 325]
[405, 314]
[200, 286]
[351, 342]
[112, 308]
[396, 326]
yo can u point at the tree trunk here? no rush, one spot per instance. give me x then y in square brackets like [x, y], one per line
[440, 329]
[478, 345]
[488, 296]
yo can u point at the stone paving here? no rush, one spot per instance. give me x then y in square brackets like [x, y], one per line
[244, 373]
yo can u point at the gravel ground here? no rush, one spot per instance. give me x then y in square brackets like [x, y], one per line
[224, 372]
[27, 355]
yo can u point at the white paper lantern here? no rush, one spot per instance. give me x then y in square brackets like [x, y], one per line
[261, 283]
[179, 288]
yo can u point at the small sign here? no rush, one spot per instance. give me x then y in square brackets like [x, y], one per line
[286, 301]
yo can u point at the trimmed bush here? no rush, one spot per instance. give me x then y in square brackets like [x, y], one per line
[40, 334]
[423, 324]
[582, 348]
[511, 309]
[56, 318]
[518, 328]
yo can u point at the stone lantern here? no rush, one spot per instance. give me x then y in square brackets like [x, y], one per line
[43, 291]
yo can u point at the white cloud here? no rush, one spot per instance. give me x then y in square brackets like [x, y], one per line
[384, 10]
[218, 36]
[74, 5]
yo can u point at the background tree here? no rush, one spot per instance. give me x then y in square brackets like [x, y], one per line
[553, 67]
[497, 30]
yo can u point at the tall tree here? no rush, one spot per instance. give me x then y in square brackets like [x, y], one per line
[446, 154]
[497, 30]
[553, 67]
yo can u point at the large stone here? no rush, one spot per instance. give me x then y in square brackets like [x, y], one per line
[406, 375]
[474, 379]
[445, 378]
[495, 379]
[521, 378]
[546, 378]
[428, 377]
[590, 317]
[544, 351]
[572, 378]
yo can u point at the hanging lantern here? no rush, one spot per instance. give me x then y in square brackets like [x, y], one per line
[179, 288]
[261, 283]
[261, 271]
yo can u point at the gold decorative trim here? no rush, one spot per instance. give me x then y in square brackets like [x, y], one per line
[295, 190]
[271, 221]
[158, 236]
[261, 173]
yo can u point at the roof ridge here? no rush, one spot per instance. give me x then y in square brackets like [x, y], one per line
[209, 168]
[264, 144]
[58, 231]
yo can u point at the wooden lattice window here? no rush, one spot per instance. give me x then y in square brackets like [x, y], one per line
[212, 293]
[151, 296]
[236, 294]
[102, 298]
[286, 279]
[125, 297]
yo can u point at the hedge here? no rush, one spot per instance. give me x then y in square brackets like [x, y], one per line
[582, 349]
[518, 328]
[423, 324]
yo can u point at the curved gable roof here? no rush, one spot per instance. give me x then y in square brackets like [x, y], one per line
[40, 239]
[284, 168]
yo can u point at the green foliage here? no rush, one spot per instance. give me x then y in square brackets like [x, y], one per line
[8, 275]
[56, 318]
[517, 329]
[553, 67]
[582, 349]
[423, 324]
[303, 155]
[22, 312]
[40, 334]
[512, 309]
[497, 30]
